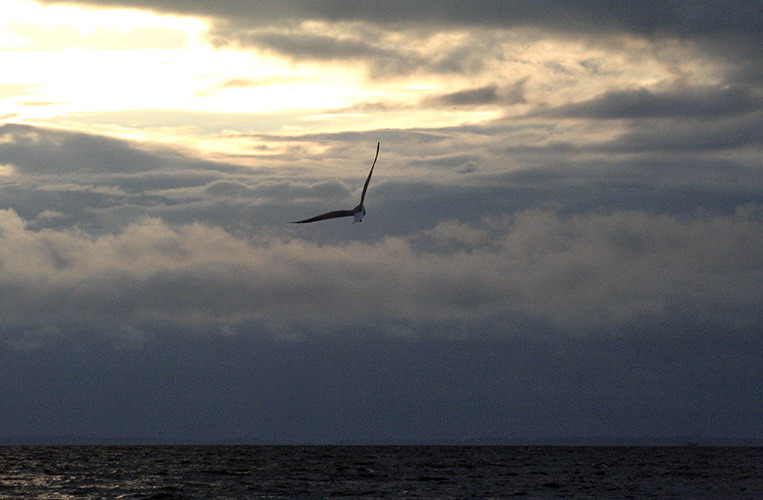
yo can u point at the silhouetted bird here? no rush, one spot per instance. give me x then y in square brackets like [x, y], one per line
[357, 213]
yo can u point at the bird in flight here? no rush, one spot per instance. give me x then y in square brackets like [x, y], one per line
[357, 213]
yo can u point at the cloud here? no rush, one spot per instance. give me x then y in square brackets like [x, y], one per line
[428, 175]
[313, 46]
[579, 274]
[692, 135]
[325, 191]
[586, 227]
[385, 54]
[481, 96]
[404, 38]
[697, 102]
[101, 184]
[653, 17]
[114, 237]
[45, 151]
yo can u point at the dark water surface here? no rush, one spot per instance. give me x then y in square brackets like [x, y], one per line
[168, 472]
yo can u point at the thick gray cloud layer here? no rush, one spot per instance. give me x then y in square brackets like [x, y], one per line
[588, 272]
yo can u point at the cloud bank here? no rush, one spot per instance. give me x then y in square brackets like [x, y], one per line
[576, 275]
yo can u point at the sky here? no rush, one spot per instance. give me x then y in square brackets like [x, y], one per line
[564, 234]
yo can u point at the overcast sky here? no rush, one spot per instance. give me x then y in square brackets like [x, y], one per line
[564, 233]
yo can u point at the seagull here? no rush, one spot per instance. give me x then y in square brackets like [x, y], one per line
[357, 213]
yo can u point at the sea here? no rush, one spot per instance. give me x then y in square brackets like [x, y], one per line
[210, 472]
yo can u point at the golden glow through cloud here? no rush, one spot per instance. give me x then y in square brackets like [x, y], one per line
[167, 78]
[121, 70]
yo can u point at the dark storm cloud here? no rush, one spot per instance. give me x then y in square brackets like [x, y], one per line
[684, 102]
[651, 17]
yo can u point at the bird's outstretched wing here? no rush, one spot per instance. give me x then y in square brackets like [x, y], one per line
[368, 179]
[327, 215]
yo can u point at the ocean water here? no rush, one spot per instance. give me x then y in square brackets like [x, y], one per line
[191, 472]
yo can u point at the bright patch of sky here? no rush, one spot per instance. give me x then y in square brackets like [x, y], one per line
[167, 78]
